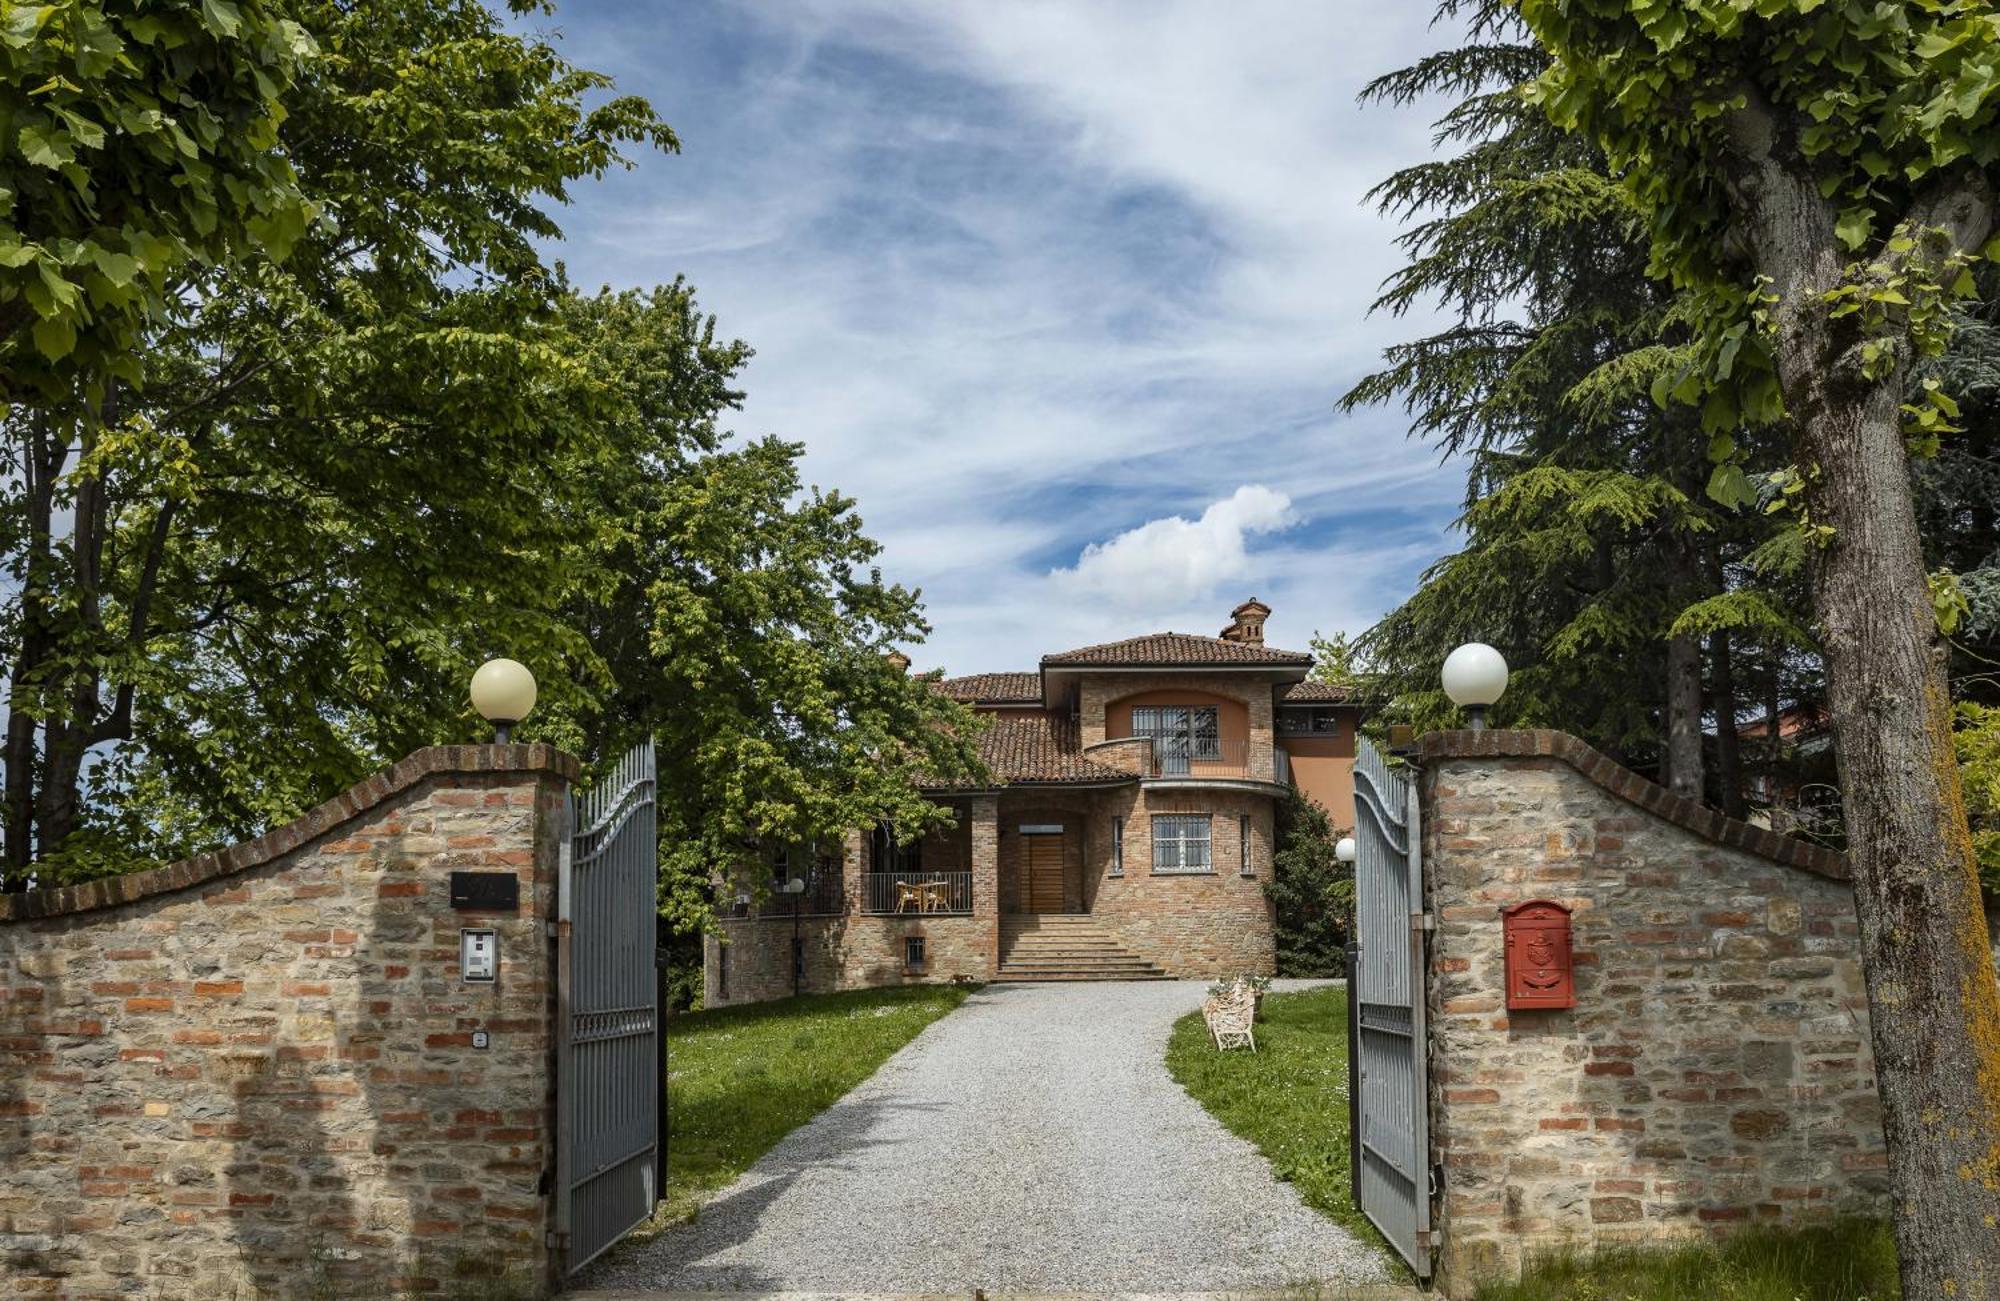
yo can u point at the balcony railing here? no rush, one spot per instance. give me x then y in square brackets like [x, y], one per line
[1179, 757]
[825, 895]
[916, 892]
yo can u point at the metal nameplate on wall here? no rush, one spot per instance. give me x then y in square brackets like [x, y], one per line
[486, 891]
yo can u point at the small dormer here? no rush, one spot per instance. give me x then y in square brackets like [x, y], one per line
[1246, 623]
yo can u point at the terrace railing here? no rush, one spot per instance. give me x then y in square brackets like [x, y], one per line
[936, 893]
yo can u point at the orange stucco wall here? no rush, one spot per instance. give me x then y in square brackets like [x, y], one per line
[1323, 770]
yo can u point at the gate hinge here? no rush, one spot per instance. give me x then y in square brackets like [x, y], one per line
[558, 930]
[1423, 921]
[555, 1241]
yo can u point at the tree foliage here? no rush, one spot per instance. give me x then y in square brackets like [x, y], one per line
[1311, 891]
[263, 559]
[1588, 537]
[140, 149]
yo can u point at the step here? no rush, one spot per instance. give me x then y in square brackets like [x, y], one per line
[1097, 963]
[1078, 966]
[1057, 979]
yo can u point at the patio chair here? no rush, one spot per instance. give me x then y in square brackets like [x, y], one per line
[1231, 1017]
[908, 895]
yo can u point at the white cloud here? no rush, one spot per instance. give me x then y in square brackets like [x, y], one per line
[1009, 268]
[1177, 559]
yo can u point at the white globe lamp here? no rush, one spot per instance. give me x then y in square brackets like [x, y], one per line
[503, 691]
[1344, 849]
[1475, 675]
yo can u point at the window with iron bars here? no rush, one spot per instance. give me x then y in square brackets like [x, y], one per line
[1180, 732]
[1181, 843]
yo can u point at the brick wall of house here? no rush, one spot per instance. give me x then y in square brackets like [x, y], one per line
[252, 1073]
[749, 959]
[1716, 1068]
[1217, 924]
[850, 952]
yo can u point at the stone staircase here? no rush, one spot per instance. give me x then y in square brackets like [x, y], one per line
[1059, 946]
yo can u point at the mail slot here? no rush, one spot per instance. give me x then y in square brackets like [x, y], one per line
[1538, 964]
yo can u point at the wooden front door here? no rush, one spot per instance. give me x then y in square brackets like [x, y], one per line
[1045, 873]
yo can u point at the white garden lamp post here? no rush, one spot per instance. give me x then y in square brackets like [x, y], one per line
[1344, 849]
[503, 691]
[1474, 677]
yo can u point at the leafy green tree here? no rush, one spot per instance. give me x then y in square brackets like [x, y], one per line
[1818, 178]
[1587, 535]
[1311, 891]
[136, 151]
[745, 624]
[267, 560]
[236, 544]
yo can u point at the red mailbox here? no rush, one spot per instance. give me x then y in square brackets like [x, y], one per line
[1538, 966]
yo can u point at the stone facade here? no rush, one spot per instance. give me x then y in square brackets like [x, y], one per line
[254, 1073]
[1210, 924]
[1715, 1070]
[1204, 925]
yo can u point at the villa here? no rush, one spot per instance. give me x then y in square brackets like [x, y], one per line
[1128, 833]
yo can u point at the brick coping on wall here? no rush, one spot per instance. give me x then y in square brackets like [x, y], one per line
[435, 760]
[1631, 787]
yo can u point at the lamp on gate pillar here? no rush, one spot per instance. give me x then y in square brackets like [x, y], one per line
[503, 691]
[1344, 849]
[1474, 676]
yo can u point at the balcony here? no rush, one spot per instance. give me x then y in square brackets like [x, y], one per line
[937, 894]
[1204, 757]
[825, 895]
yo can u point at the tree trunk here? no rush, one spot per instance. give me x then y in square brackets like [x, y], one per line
[1934, 1005]
[42, 459]
[1728, 742]
[1684, 708]
[1933, 1001]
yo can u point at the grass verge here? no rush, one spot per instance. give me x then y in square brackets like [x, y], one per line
[741, 1078]
[1847, 1261]
[1289, 1097]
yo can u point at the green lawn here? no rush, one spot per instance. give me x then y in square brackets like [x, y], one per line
[1289, 1098]
[1840, 1262]
[741, 1078]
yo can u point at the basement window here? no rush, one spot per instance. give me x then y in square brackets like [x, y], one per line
[913, 952]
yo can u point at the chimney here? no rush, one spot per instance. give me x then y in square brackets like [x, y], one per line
[898, 661]
[1246, 623]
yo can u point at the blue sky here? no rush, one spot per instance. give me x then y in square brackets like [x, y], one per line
[1063, 293]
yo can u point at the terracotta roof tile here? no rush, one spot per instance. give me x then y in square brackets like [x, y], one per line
[1040, 746]
[1175, 649]
[1317, 693]
[994, 688]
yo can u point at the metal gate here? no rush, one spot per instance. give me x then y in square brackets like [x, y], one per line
[1391, 1103]
[607, 1085]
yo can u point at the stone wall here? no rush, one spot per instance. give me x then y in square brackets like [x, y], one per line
[1715, 1070]
[253, 1073]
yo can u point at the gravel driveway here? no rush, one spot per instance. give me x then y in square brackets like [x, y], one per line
[1030, 1141]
